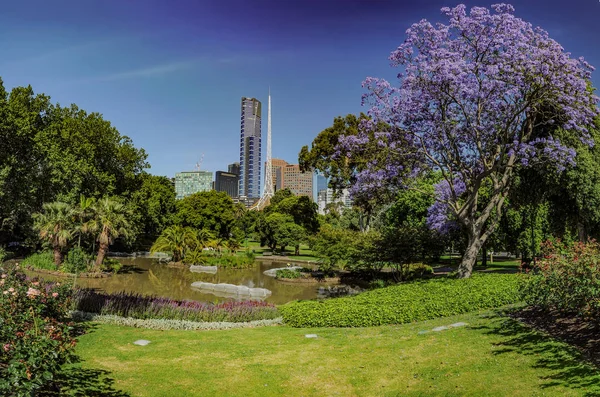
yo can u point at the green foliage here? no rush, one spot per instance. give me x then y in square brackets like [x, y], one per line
[35, 337]
[225, 261]
[3, 254]
[111, 220]
[406, 302]
[179, 241]
[213, 211]
[53, 153]
[154, 204]
[77, 261]
[288, 273]
[55, 226]
[567, 279]
[42, 260]
[111, 265]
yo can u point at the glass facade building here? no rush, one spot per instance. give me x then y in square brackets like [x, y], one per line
[190, 182]
[250, 149]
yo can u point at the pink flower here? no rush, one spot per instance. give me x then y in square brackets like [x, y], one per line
[5, 292]
[32, 292]
[36, 283]
[54, 294]
[7, 347]
[3, 275]
[11, 290]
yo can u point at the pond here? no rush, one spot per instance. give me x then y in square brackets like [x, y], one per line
[149, 277]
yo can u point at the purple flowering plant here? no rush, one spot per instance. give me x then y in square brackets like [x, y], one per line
[470, 97]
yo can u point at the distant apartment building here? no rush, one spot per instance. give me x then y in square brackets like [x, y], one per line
[190, 182]
[289, 176]
[226, 182]
[250, 149]
[320, 184]
[328, 196]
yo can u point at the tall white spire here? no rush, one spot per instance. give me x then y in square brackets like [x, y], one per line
[268, 185]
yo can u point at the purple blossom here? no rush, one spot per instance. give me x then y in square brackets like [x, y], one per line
[439, 215]
[470, 96]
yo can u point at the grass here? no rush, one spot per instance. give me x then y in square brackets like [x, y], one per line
[493, 356]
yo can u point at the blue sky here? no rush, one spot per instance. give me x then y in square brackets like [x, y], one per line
[170, 74]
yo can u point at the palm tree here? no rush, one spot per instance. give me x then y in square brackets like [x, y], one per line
[175, 239]
[55, 225]
[203, 238]
[84, 213]
[111, 221]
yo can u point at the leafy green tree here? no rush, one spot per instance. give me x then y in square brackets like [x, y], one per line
[300, 208]
[154, 204]
[55, 226]
[110, 221]
[290, 234]
[211, 210]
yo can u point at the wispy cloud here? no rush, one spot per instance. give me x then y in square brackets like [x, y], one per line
[151, 71]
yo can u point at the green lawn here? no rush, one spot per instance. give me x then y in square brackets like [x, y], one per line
[493, 356]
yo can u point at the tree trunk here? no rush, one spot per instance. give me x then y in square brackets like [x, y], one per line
[102, 250]
[484, 256]
[470, 257]
[297, 252]
[58, 256]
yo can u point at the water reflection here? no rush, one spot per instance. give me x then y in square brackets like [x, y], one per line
[148, 277]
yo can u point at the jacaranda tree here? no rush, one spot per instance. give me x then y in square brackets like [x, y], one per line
[470, 94]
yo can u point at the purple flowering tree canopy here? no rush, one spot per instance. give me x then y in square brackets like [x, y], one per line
[470, 95]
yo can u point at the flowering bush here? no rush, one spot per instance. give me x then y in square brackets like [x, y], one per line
[567, 279]
[35, 337]
[149, 307]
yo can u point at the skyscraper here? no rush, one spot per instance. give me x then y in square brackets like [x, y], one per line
[250, 148]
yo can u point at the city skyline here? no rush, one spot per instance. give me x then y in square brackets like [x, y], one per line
[169, 74]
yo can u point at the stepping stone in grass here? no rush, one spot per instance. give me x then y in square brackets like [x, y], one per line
[457, 325]
[310, 336]
[141, 342]
[438, 329]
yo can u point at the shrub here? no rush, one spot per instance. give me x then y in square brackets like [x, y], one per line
[41, 260]
[35, 337]
[77, 261]
[567, 279]
[3, 254]
[288, 273]
[408, 302]
[150, 307]
[111, 265]
[162, 324]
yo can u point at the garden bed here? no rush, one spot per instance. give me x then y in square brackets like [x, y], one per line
[578, 332]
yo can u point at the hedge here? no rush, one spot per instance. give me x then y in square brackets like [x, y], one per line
[408, 302]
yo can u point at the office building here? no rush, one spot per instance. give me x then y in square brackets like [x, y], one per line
[289, 176]
[328, 196]
[190, 182]
[234, 168]
[250, 149]
[226, 182]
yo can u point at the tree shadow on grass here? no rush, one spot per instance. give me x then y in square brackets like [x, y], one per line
[80, 382]
[567, 365]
